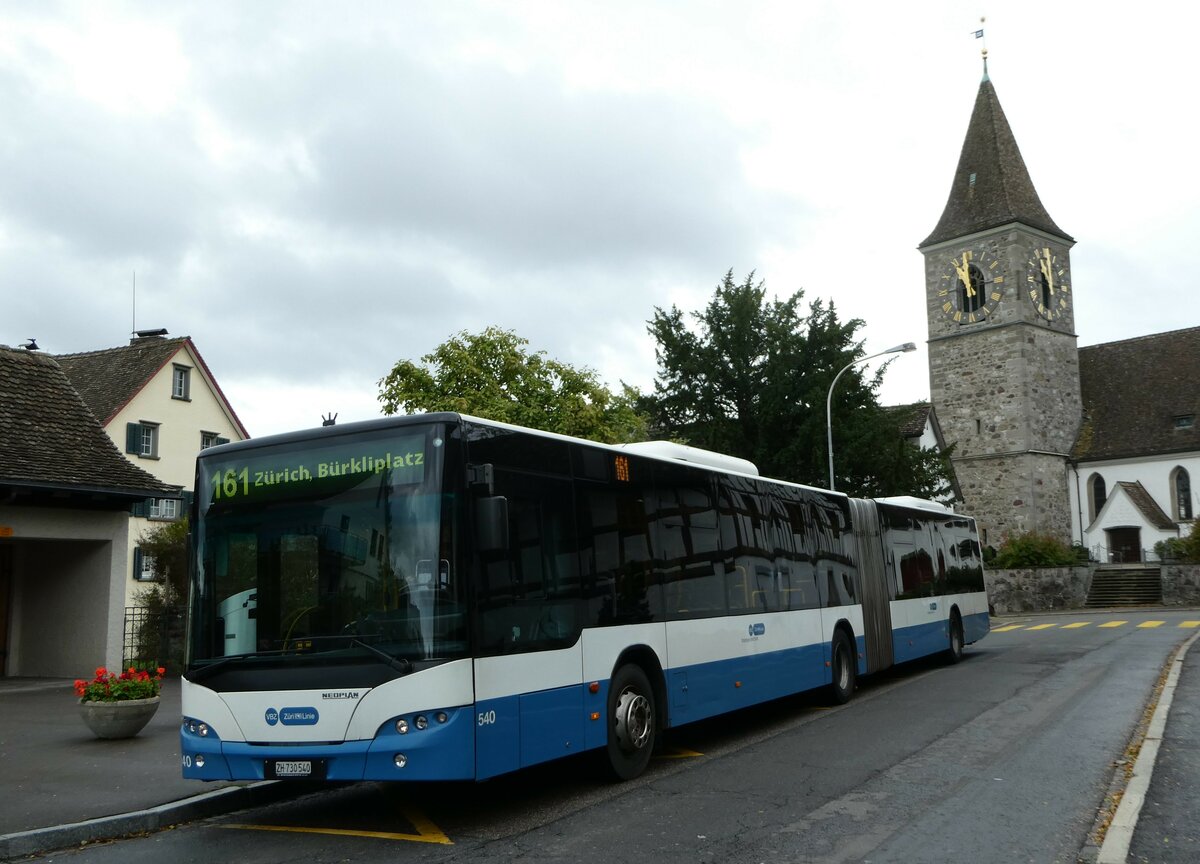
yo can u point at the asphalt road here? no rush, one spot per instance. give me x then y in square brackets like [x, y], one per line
[1007, 757]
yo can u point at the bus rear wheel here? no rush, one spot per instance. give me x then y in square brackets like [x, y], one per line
[955, 652]
[844, 668]
[631, 722]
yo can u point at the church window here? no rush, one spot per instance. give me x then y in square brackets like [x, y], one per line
[1181, 484]
[1097, 494]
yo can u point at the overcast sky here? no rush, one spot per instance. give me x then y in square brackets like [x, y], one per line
[313, 191]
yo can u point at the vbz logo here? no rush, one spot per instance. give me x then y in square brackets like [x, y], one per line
[272, 716]
[757, 629]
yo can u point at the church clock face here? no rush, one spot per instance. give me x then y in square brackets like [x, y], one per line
[970, 286]
[1047, 283]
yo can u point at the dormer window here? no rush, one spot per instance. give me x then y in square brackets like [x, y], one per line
[181, 382]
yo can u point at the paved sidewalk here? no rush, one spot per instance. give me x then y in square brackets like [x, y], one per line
[60, 785]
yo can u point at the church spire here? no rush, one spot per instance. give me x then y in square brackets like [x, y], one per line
[991, 184]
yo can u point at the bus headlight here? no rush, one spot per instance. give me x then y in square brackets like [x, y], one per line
[422, 721]
[402, 728]
[400, 759]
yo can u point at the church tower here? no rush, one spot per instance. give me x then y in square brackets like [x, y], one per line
[1003, 362]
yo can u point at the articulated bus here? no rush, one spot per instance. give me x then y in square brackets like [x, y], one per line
[441, 597]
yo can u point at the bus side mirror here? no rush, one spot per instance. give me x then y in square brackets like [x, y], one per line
[491, 523]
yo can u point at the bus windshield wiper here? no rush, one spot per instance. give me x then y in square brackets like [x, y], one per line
[400, 664]
[197, 675]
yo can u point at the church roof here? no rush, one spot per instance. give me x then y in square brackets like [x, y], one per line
[991, 184]
[1140, 396]
[1146, 504]
[49, 440]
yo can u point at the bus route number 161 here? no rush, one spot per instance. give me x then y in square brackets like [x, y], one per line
[487, 718]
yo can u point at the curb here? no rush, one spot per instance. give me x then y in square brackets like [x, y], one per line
[215, 803]
[1117, 840]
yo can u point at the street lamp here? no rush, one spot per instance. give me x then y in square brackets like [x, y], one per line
[899, 349]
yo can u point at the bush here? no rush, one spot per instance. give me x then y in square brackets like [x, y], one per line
[1034, 550]
[1180, 550]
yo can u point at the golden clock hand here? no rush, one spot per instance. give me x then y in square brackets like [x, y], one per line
[964, 272]
[1047, 270]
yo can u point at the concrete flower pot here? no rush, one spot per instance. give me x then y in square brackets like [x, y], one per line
[121, 719]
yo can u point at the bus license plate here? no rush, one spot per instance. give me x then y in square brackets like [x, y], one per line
[294, 768]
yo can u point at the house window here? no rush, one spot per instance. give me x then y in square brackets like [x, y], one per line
[143, 567]
[141, 439]
[1182, 485]
[211, 439]
[181, 383]
[164, 508]
[1185, 421]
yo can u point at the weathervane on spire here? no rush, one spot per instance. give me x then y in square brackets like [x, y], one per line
[979, 35]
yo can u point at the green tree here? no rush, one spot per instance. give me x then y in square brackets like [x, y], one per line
[167, 546]
[751, 377]
[492, 374]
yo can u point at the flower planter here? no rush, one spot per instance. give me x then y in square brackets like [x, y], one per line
[119, 719]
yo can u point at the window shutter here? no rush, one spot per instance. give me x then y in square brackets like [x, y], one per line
[137, 563]
[141, 508]
[222, 441]
[133, 437]
[188, 498]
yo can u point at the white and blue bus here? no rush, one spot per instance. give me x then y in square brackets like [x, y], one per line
[440, 597]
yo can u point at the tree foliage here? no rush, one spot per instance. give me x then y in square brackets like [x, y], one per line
[749, 376]
[492, 374]
[167, 546]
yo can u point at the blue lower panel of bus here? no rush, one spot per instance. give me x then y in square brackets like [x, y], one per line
[707, 689]
[921, 640]
[443, 751]
[975, 627]
[518, 731]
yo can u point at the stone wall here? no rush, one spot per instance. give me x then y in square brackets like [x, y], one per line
[1181, 584]
[1042, 589]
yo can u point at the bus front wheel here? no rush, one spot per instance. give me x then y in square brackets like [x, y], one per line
[631, 722]
[844, 667]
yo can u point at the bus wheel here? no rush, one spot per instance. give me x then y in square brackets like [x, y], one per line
[631, 718]
[955, 652]
[842, 660]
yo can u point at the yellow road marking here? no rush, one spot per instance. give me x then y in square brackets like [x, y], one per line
[1114, 623]
[1189, 623]
[1152, 623]
[1007, 627]
[1042, 626]
[427, 831]
[1076, 625]
[678, 753]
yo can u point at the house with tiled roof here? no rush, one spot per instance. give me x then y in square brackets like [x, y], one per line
[65, 496]
[160, 404]
[918, 425]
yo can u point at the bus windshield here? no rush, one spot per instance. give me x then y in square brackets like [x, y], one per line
[335, 550]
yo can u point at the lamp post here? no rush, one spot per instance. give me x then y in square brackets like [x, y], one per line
[899, 349]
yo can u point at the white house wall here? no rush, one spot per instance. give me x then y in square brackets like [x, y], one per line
[67, 595]
[180, 424]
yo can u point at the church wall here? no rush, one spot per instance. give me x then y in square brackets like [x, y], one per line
[1014, 495]
[1155, 475]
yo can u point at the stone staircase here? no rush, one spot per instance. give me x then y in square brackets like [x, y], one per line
[1125, 586]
